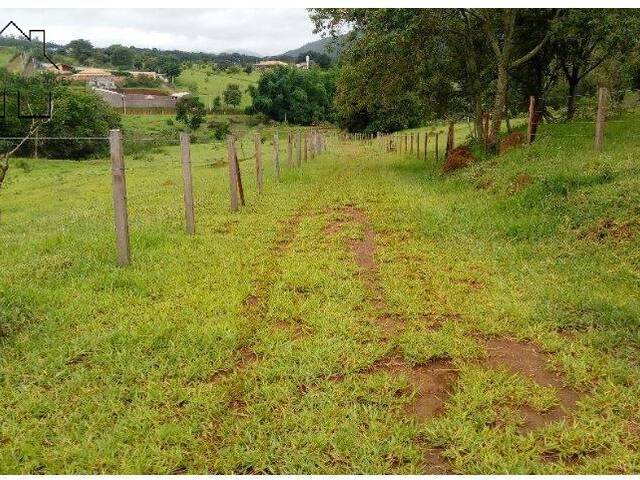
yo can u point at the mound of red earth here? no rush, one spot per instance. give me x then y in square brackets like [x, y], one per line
[513, 140]
[459, 157]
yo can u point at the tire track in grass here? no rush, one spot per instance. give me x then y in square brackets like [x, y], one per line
[528, 360]
[432, 383]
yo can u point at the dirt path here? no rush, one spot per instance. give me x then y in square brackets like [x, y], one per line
[431, 383]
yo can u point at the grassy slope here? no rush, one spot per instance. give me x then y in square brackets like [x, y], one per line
[119, 370]
[6, 54]
[210, 87]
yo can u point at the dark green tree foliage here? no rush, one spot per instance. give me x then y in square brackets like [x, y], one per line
[169, 65]
[301, 97]
[80, 49]
[120, 56]
[232, 95]
[191, 112]
[76, 113]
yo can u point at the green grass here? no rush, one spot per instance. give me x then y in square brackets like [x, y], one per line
[209, 85]
[141, 370]
[6, 54]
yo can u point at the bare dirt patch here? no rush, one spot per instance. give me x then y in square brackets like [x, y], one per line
[434, 462]
[609, 229]
[431, 383]
[528, 360]
[513, 140]
[363, 251]
[459, 157]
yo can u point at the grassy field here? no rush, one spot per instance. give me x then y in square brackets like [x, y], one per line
[209, 85]
[6, 54]
[367, 314]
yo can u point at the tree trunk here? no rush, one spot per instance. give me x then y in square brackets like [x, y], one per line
[498, 106]
[573, 81]
[479, 115]
[4, 168]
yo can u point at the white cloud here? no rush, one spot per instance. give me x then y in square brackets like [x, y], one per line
[265, 31]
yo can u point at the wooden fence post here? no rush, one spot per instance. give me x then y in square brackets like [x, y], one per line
[121, 215]
[239, 174]
[437, 151]
[530, 128]
[306, 147]
[276, 155]
[411, 149]
[299, 150]
[185, 149]
[600, 118]
[233, 173]
[450, 139]
[258, 143]
[418, 145]
[406, 140]
[426, 143]
[289, 149]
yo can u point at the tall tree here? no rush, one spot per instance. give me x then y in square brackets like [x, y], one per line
[585, 38]
[80, 49]
[499, 28]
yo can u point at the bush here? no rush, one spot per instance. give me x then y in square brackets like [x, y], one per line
[298, 96]
[220, 129]
[191, 112]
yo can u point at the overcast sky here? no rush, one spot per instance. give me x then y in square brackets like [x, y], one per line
[264, 31]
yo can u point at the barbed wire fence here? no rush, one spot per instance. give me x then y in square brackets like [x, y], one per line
[300, 148]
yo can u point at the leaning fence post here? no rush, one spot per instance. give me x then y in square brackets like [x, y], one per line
[530, 127]
[121, 215]
[276, 155]
[185, 149]
[258, 143]
[600, 117]
[233, 173]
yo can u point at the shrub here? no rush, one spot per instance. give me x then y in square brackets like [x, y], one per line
[298, 96]
[191, 112]
[220, 129]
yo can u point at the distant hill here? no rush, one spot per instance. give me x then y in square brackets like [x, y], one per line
[240, 51]
[331, 46]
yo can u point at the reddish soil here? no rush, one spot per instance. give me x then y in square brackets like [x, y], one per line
[435, 464]
[459, 157]
[513, 140]
[526, 359]
[363, 251]
[432, 383]
[608, 229]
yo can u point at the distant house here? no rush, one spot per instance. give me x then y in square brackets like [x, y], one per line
[96, 77]
[136, 99]
[152, 75]
[269, 64]
[304, 65]
[179, 95]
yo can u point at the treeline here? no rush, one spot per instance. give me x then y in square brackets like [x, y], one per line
[119, 57]
[403, 67]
